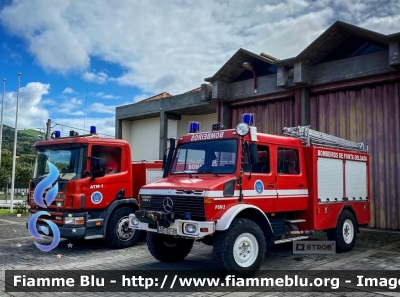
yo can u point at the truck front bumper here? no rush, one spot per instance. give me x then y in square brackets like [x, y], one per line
[65, 232]
[164, 223]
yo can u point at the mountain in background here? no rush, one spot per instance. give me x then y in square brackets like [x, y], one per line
[25, 140]
[25, 154]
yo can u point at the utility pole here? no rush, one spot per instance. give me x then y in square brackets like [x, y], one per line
[15, 148]
[2, 109]
[48, 132]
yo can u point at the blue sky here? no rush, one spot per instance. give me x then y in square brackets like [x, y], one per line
[123, 51]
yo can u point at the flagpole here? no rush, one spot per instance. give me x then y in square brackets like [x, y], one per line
[2, 109]
[15, 147]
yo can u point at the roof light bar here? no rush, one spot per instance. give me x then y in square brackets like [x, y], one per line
[248, 118]
[194, 127]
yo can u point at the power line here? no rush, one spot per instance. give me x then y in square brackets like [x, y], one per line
[82, 130]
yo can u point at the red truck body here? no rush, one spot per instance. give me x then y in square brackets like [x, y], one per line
[297, 189]
[94, 200]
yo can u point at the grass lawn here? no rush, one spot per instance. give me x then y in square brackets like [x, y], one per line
[31, 132]
[4, 211]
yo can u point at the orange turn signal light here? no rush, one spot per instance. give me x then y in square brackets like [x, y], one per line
[79, 221]
[208, 200]
[203, 229]
[98, 223]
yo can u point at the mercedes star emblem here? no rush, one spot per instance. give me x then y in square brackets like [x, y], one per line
[168, 204]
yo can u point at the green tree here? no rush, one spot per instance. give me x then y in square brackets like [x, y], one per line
[23, 173]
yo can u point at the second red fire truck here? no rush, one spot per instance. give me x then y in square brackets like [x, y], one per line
[97, 187]
[242, 191]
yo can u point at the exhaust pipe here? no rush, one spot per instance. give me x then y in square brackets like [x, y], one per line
[310, 232]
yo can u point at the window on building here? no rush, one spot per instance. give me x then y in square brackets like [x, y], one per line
[261, 68]
[352, 47]
[288, 161]
[111, 156]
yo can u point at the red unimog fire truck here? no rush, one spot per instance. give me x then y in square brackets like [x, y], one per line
[97, 186]
[253, 190]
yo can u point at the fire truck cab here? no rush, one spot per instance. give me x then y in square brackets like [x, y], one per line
[242, 191]
[88, 185]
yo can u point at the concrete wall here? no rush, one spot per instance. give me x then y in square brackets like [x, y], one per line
[205, 122]
[126, 130]
[143, 137]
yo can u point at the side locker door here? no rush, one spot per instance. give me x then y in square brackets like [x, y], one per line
[260, 190]
[291, 179]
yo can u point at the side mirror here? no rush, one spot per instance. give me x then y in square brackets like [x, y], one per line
[97, 167]
[253, 154]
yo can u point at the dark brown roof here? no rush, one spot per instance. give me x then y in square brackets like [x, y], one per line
[159, 96]
[194, 90]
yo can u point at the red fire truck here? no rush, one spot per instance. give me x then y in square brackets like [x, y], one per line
[97, 186]
[254, 190]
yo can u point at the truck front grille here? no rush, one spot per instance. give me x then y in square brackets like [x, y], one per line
[182, 205]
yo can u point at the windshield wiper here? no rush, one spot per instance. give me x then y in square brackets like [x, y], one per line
[187, 172]
[207, 171]
[41, 176]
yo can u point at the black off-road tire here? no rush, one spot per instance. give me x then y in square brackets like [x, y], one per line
[346, 223]
[244, 238]
[166, 248]
[117, 226]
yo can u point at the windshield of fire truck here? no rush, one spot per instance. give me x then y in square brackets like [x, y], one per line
[67, 160]
[212, 156]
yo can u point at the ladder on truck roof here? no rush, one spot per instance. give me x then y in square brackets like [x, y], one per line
[312, 137]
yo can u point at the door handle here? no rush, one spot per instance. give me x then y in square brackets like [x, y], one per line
[301, 185]
[270, 185]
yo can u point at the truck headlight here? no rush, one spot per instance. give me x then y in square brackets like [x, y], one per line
[74, 220]
[134, 222]
[190, 228]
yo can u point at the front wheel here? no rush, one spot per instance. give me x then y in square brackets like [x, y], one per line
[119, 235]
[166, 248]
[345, 232]
[241, 248]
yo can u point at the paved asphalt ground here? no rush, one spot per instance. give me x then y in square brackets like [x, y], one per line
[374, 250]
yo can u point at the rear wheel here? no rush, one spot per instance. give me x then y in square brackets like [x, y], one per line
[241, 247]
[166, 248]
[345, 232]
[119, 235]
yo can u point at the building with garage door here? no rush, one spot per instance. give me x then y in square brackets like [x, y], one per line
[345, 83]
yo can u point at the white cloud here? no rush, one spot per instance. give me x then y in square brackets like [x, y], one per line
[70, 106]
[101, 108]
[99, 77]
[173, 45]
[31, 113]
[68, 91]
[107, 96]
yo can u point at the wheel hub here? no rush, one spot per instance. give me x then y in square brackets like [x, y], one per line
[124, 233]
[245, 250]
[348, 231]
